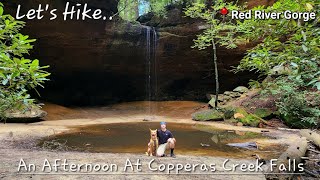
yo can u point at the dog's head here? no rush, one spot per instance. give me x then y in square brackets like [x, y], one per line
[153, 134]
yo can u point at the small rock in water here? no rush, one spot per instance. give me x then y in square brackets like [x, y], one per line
[246, 145]
[204, 145]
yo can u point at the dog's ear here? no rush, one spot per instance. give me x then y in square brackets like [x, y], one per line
[150, 129]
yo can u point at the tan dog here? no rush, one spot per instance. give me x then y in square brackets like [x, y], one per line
[153, 144]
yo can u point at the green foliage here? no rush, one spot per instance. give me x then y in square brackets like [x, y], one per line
[130, 10]
[158, 7]
[254, 84]
[292, 46]
[221, 28]
[298, 107]
[17, 74]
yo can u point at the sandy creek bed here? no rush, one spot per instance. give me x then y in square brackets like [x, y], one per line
[18, 142]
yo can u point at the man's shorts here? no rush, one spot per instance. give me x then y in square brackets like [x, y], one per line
[162, 148]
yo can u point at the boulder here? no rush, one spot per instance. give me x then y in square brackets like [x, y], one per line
[222, 99]
[263, 112]
[241, 89]
[280, 70]
[228, 93]
[228, 112]
[208, 115]
[235, 94]
[25, 116]
[212, 102]
[246, 118]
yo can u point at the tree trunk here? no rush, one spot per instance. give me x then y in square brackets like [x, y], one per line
[311, 136]
[215, 72]
[294, 153]
[136, 9]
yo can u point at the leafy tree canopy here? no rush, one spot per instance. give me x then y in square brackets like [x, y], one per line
[288, 48]
[131, 9]
[17, 74]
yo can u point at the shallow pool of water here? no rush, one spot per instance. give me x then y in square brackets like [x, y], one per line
[133, 138]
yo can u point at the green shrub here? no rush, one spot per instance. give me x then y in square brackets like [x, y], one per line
[295, 105]
[289, 49]
[17, 74]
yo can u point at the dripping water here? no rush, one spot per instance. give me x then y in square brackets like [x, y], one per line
[151, 68]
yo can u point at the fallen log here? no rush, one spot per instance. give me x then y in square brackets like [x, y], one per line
[289, 159]
[312, 173]
[308, 159]
[286, 129]
[318, 152]
[311, 135]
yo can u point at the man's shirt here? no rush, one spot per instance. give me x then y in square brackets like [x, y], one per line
[164, 136]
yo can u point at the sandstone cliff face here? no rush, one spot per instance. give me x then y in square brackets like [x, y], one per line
[101, 62]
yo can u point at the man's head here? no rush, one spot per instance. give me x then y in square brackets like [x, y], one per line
[163, 125]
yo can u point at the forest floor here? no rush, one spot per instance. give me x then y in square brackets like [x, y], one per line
[18, 141]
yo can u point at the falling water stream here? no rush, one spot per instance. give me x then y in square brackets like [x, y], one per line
[151, 68]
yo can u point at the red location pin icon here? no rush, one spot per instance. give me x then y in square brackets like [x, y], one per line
[224, 11]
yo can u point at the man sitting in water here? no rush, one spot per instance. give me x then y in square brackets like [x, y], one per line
[166, 140]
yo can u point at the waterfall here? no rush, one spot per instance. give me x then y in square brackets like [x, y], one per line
[151, 67]
[155, 67]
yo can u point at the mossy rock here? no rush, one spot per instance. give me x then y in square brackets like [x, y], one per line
[241, 89]
[228, 93]
[247, 119]
[241, 111]
[221, 99]
[263, 112]
[250, 120]
[280, 70]
[33, 114]
[235, 94]
[228, 112]
[226, 98]
[212, 102]
[208, 115]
